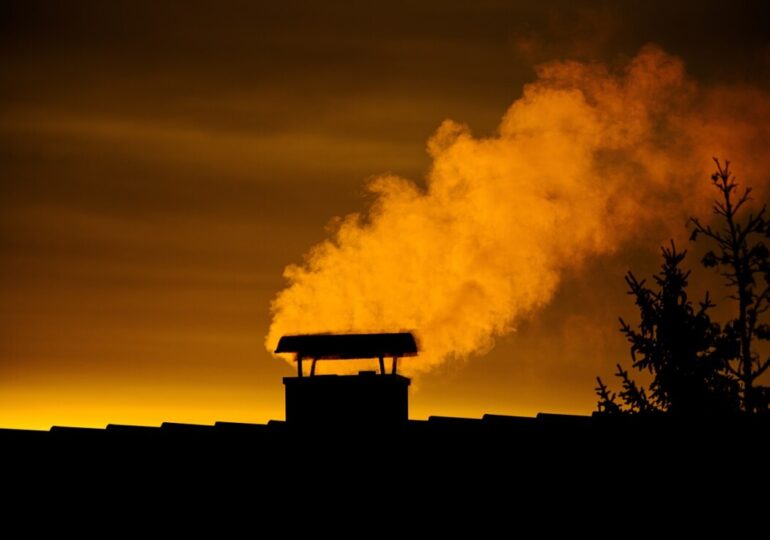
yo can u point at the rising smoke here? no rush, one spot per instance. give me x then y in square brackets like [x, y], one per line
[587, 160]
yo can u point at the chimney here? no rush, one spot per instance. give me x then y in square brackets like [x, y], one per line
[369, 400]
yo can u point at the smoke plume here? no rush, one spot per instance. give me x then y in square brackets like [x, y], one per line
[587, 160]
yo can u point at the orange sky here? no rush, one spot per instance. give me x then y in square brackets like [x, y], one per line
[162, 165]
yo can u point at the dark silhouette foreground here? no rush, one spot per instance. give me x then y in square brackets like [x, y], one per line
[442, 473]
[369, 453]
[699, 367]
[499, 444]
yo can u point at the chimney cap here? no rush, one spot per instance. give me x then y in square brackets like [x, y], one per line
[348, 346]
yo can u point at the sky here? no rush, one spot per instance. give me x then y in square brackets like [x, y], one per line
[164, 163]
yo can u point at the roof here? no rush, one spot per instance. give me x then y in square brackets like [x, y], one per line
[345, 346]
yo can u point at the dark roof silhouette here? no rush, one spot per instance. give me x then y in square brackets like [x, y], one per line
[348, 346]
[485, 464]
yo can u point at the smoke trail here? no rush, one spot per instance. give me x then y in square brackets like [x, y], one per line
[585, 161]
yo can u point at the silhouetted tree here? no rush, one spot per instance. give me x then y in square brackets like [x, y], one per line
[608, 403]
[741, 257]
[678, 344]
[698, 367]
